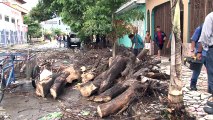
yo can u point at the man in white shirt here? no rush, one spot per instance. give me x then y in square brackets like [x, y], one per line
[206, 40]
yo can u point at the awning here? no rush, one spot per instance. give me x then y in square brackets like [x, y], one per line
[130, 5]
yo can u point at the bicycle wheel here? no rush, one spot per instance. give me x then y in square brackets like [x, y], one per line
[2, 86]
[35, 75]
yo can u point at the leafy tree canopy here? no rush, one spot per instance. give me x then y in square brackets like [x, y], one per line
[85, 17]
[34, 28]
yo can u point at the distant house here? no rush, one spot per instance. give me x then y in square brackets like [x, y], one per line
[55, 23]
[158, 13]
[12, 29]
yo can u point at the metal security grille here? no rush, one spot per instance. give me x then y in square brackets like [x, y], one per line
[198, 10]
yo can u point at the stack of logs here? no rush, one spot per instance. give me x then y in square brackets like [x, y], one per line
[54, 83]
[126, 79]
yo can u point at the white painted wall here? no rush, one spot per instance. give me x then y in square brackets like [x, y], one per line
[54, 24]
[141, 27]
[8, 29]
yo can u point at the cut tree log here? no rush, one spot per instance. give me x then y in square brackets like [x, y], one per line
[104, 80]
[111, 93]
[74, 74]
[121, 101]
[86, 77]
[160, 76]
[43, 87]
[117, 67]
[142, 54]
[91, 87]
[141, 72]
[59, 84]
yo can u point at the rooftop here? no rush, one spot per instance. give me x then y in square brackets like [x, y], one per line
[129, 5]
[21, 1]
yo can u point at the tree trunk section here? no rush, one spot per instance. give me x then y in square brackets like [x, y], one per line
[59, 84]
[142, 54]
[110, 93]
[119, 102]
[73, 74]
[117, 67]
[86, 77]
[159, 76]
[91, 87]
[175, 95]
[43, 87]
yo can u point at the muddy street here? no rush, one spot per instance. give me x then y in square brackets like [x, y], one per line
[23, 102]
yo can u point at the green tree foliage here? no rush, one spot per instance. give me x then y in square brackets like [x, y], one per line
[79, 14]
[41, 12]
[87, 17]
[34, 28]
[57, 32]
[132, 15]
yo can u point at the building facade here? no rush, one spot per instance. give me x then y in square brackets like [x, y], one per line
[55, 23]
[12, 29]
[193, 12]
[140, 24]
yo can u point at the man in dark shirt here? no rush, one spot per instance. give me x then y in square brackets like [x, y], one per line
[159, 39]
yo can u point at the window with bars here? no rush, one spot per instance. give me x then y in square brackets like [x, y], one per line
[6, 18]
[13, 20]
[12, 37]
[7, 37]
[2, 37]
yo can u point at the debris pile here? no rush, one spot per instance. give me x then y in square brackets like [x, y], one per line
[126, 79]
[113, 82]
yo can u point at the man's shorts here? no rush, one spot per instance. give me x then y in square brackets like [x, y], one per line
[160, 46]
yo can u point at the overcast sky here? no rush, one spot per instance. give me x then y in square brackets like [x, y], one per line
[30, 4]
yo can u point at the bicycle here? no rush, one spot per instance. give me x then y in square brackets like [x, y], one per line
[7, 70]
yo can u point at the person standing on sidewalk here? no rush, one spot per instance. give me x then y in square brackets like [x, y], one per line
[194, 50]
[159, 39]
[206, 40]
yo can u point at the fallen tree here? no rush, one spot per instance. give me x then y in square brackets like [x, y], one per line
[86, 77]
[117, 67]
[111, 93]
[135, 89]
[43, 87]
[59, 84]
[115, 85]
[121, 101]
[91, 87]
[125, 80]
[73, 74]
[106, 79]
